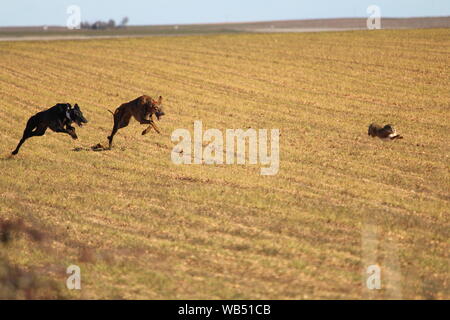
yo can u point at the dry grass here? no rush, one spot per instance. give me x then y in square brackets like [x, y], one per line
[141, 227]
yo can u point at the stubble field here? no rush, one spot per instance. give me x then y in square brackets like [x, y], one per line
[139, 226]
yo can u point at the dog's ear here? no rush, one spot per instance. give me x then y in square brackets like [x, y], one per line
[160, 100]
[76, 106]
[69, 105]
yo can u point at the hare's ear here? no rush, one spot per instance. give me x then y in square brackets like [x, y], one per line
[160, 100]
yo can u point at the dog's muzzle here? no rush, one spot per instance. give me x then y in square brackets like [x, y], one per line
[81, 122]
[159, 114]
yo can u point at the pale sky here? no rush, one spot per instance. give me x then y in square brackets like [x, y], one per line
[150, 12]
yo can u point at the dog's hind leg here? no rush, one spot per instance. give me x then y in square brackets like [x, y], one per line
[120, 121]
[28, 133]
[114, 131]
[16, 151]
[115, 127]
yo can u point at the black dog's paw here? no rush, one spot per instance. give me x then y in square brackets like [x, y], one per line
[73, 134]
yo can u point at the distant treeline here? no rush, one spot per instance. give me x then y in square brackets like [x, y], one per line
[101, 25]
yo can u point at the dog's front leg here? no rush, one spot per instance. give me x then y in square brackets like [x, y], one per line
[71, 131]
[152, 125]
[68, 129]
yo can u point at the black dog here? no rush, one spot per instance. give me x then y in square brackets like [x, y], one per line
[58, 118]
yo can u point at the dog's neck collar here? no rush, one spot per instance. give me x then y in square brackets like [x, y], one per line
[68, 115]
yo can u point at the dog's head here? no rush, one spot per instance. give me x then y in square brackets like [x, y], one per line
[155, 107]
[77, 116]
[158, 107]
[389, 128]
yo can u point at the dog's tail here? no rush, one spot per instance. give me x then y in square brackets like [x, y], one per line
[111, 112]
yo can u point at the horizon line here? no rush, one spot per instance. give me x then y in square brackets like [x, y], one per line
[229, 22]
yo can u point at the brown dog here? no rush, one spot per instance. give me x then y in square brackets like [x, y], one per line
[142, 109]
